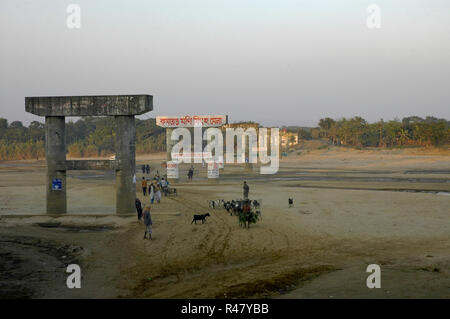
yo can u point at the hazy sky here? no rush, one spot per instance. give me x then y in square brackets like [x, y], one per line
[276, 62]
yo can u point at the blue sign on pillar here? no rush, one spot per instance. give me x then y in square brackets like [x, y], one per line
[56, 184]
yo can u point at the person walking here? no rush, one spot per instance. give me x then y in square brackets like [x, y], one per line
[144, 186]
[147, 168]
[148, 223]
[143, 169]
[138, 208]
[246, 190]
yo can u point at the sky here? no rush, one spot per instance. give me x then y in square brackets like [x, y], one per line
[276, 62]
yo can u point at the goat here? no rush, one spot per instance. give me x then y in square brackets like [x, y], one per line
[218, 203]
[291, 202]
[256, 204]
[227, 206]
[237, 208]
[200, 217]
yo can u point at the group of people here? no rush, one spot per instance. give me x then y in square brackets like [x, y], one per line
[154, 188]
[145, 169]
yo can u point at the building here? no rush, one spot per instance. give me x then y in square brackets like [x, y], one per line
[288, 139]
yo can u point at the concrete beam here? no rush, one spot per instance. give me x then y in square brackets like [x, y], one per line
[101, 105]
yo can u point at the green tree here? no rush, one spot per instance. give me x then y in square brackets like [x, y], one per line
[16, 124]
[3, 123]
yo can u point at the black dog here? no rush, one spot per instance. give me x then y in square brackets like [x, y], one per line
[291, 202]
[200, 217]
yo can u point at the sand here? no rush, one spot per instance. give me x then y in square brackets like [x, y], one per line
[351, 208]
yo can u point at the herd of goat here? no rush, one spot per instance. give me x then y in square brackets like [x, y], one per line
[248, 211]
[237, 208]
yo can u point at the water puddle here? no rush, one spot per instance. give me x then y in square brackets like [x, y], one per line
[87, 229]
[423, 191]
[362, 179]
[428, 172]
[76, 229]
[107, 175]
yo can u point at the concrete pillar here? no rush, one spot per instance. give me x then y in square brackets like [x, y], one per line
[126, 164]
[55, 154]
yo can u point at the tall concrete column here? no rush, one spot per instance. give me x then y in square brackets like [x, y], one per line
[55, 154]
[126, 164]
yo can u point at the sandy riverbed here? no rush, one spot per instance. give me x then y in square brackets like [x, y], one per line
[352, 208]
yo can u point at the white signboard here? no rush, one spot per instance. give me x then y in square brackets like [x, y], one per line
[220, 162]
[191, 121]
[172, 170]
[213, 170]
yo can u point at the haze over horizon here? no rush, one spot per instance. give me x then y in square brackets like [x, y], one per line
[274, 62]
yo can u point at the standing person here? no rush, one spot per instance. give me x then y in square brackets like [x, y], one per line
[164, 186]
[158, 193]
[144, 186]
[147, 169]
[151, 192]
[143, 169]
[138, 208]
[148, 222]
[163, 182]
[246, 190]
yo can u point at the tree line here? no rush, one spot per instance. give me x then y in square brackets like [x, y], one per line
[413, 130]
[94, 136]
[86, 137]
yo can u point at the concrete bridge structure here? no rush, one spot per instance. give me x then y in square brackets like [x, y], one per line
[123, 108]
